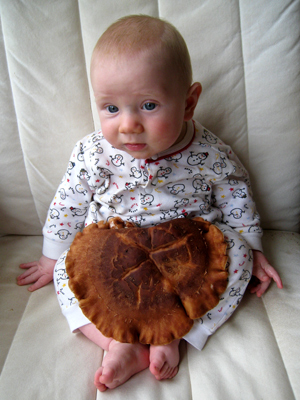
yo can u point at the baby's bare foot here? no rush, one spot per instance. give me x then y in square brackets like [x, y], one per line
[121, 362]
[164, 360]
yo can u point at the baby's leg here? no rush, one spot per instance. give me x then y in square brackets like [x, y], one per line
[66, 298]
[240, 263]
[164, 360]
[122, 361]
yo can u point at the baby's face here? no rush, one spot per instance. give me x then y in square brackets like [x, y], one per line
[141, 108]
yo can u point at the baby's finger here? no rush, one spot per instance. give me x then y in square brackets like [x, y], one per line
[40, 283]
[28, 277]
[27, 273]
[262, 288]
[254, 289]
[260, 274]
[272, 273]
[28, 265]
[278, 282]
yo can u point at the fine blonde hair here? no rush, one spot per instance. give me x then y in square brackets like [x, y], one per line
[137, 33]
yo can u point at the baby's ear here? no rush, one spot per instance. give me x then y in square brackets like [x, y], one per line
[192, 97]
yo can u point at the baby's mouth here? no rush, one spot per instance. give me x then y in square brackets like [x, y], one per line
[135, 146]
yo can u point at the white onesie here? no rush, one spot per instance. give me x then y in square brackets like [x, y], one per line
[200, 176]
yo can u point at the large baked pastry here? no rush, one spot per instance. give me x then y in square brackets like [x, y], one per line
[147, 285]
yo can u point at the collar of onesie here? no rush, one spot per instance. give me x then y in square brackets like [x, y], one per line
[178, 147]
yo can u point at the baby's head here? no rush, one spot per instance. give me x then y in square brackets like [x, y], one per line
[139, 33]
[141, 76]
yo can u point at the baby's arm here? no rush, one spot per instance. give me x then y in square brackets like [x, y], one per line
[67, 204]
[233, 196]
[264, 272]
[38, 272]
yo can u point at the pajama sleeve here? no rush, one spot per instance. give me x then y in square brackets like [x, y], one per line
[233, 197]
[69, 207]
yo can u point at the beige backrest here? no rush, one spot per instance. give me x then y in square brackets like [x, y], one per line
[245, 53]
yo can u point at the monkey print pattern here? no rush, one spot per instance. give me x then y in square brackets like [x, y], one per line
[203, 178]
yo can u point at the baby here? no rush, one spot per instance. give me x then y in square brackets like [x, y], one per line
[150, 163]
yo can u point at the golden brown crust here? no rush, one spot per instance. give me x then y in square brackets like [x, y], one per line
[147, 285]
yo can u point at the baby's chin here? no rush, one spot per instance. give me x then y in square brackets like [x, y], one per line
[139, 152]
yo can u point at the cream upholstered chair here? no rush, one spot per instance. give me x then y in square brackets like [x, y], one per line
[246, 55]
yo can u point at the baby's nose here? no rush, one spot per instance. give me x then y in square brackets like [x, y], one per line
[130, 124]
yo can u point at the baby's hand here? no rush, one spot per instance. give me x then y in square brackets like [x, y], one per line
[264, 272]
[38, 272]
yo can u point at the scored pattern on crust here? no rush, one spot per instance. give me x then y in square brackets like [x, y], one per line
[147, 285]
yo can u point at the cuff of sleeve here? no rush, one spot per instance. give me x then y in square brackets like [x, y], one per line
[198, 335]
[53, 249]
[254, 241]
[76, 319]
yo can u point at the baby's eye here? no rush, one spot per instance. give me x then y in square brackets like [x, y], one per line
[149, 106]
[112, 109]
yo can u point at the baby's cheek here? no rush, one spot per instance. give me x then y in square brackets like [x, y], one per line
[165, 131]
[109, 131]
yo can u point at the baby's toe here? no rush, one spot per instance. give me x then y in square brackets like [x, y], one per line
[100, 386]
